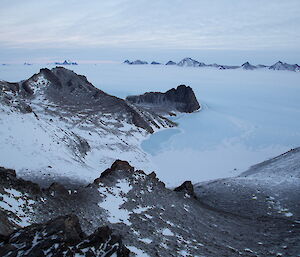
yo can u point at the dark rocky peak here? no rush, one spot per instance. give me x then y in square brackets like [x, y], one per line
[62, 236]
[155, 63]
[170, 63]
[62, 80]
[181, 99]
[186, 187]
[248, 66]
[118, 165]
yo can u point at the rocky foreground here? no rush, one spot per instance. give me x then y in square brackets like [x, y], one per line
[142, 214]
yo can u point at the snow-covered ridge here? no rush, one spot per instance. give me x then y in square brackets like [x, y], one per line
[56, 123]
[189, 62]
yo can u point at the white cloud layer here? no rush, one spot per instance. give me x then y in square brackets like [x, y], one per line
[184, 24]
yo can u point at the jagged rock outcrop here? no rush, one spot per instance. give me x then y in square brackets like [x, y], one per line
[181, 99]
[186, 187]
[62, 236]
[155, 63]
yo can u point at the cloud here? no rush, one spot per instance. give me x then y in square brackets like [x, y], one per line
[187, 24]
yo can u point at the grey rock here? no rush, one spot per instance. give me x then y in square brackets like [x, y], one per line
[181, 99]
[186, 187]
[62, 236]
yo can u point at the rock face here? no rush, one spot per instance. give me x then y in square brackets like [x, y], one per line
[62, 236]
[186, 187]
[181, 99]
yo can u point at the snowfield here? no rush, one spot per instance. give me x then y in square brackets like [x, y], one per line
[246, 117]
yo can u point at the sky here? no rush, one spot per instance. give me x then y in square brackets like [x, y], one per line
[95, 30]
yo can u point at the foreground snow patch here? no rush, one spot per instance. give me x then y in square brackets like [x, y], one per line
[113, 201]
[15, 202]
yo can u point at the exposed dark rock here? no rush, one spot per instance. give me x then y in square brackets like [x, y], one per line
[186, 187]
[151, 215]
[117, 165]
[181, 99]
[62, 236]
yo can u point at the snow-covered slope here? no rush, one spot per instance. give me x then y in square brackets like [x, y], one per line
[58, 124]
[271, 188]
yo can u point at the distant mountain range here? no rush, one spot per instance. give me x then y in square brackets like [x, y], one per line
[66, 62]
[189, 62]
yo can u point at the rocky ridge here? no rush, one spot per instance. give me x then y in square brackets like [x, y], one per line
[67, 127]
[181, 99]
[150, 219]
